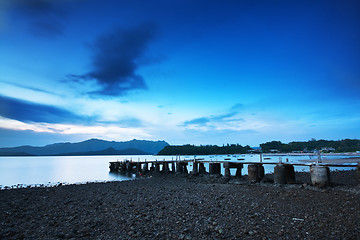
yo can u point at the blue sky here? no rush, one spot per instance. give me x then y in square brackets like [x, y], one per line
[199, 72]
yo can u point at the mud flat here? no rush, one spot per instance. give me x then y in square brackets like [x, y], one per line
[184, 207]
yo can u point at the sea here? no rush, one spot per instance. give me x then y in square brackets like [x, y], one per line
[53, 170]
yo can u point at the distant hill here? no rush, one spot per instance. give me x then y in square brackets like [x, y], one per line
[91, 145]
[109, 151]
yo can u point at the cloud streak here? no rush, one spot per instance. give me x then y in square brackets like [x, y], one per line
[214, 119]
[113, 132]
[116, 59]
[32, 112]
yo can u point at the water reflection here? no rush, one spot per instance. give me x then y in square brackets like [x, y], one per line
[81, 169]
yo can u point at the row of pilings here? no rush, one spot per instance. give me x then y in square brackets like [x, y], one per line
[284, 173]
[142, 168]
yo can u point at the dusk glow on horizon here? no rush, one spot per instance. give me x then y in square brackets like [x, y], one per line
[197, 72]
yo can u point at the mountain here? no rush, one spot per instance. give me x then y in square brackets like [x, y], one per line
[109, 151]
[91, 145]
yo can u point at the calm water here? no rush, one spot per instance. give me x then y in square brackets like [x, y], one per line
[81, 169]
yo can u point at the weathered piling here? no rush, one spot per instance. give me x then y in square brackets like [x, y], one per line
[226, 166]
[165, 167]
[173, 169]
[358, 172]
[261, 172]
[215, 168]
[211, 168]
[289, 174]
[129, 166]
[114, 166]
[253, 173]
[185, 170]
[202, 169]
[195, 168]
[138, 168]
[279, 174]
[179, 167]
[218, 168]
[152, 168]
[239, 167]
[145, 168]
[256, 172]
[320, 175]
[157, 167]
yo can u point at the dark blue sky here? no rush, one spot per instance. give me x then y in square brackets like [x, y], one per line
[201, 72]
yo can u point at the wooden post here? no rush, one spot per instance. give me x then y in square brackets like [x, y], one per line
[157, 167]
[279, 174]
[289, 173]
[261, 172]
[129, 166]
[123, 166]
[202, 169]
[166, 167]
[179, 167]
[211, 168]
[145, 168]
[320, 176]
[238, 170]
[195, 168]
[173, 169]
[253, 173]
[138, 168]
[185, 170]
[218, 168]
[114, 166]
[226, 166]
[358, 172]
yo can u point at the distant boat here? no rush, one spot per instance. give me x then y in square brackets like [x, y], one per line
[267, 158]
[227, 159]
[241, 159]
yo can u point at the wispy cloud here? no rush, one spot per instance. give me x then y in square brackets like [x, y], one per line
[29, 87]
[214, 121]
[25, 111]
[109, 131]
[116, 59]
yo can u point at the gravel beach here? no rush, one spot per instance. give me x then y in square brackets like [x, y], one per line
[184, 207]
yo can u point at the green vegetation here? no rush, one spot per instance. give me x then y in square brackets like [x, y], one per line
[204, 150]
[346, 145]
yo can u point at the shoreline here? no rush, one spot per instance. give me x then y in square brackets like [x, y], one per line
[338, 160]
[184, 207]
[312, 154]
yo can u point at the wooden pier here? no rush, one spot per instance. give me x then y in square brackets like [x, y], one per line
[284, 172]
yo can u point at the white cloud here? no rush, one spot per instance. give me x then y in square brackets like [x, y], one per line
[108, 132]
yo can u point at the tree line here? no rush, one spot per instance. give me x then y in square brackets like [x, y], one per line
[345, 145]
[204, 150]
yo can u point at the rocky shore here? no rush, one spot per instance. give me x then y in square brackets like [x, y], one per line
[184, 207]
